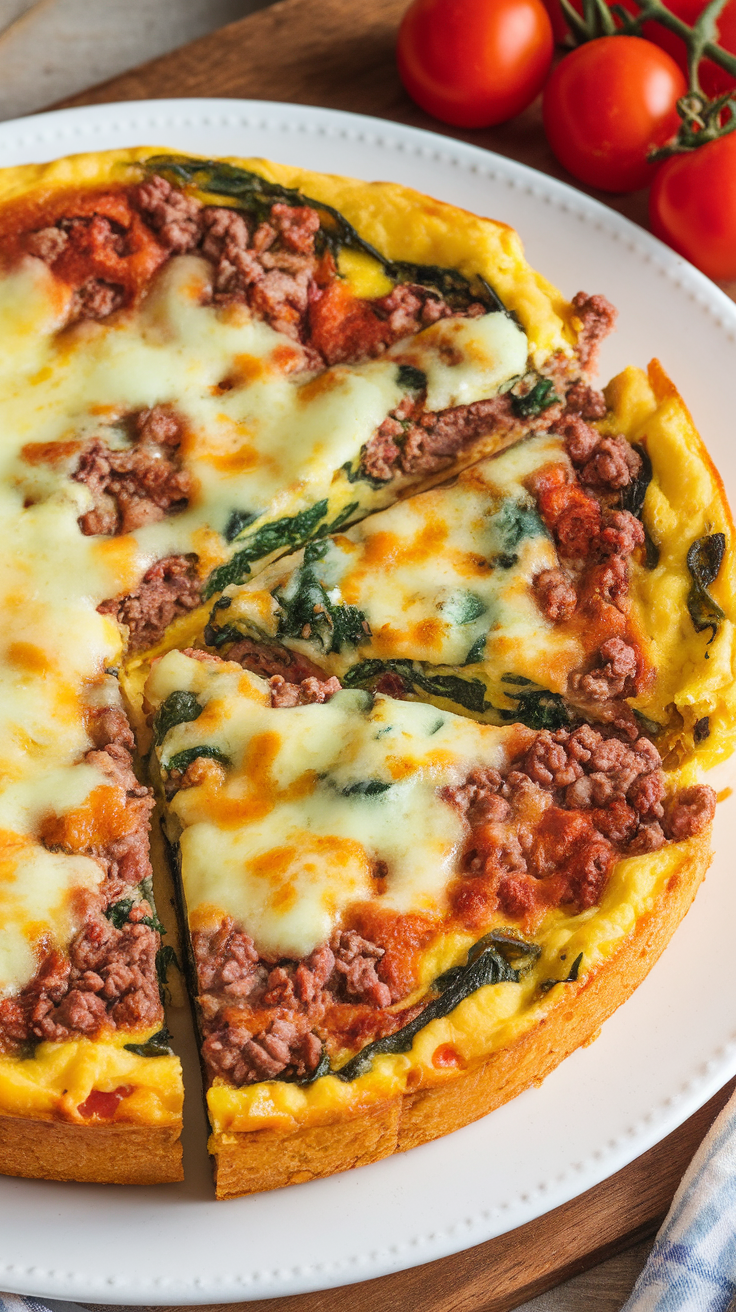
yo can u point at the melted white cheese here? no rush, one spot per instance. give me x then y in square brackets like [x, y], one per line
[285, 838]
[261, 437]
[466, 360]
[437, 576]
[37, 904]
[271, 442]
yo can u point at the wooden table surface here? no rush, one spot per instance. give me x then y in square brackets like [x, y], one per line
[341, 56]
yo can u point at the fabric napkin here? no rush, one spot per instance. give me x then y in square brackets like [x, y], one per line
[692, 1266]
[18, 1303]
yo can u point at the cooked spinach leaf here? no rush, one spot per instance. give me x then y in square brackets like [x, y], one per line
[513, 522]
[165, 957]
[537, 708]
[704, 560]
[27, 1049]
[322, 1068]
[651, 550]
[307, 611]
[463, 607]
[632, 499]
[469, 693]
[493, 300]
[256, 195]
[217, 637]
[357, 474]
[145, 891]
[159, 1045]
[458, 291]
[477, 651]
[344, 516]
[414, 380]
[117, 913]
[366, 788]
[534, 402]
[498, 958]
[650, 727]
[238, 520]
[289, 531]
[702, 729]
[145, 888]
[182, 760]
[570, 978]
[179, 708]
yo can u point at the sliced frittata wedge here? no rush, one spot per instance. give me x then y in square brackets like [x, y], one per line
[566, 578]
[391, 908]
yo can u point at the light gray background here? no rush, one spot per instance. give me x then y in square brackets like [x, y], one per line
[53, 48]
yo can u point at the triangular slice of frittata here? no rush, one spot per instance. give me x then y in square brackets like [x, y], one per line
[380, 895]
[565, 578]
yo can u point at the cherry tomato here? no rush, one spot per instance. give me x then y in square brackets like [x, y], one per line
[713, 79]
[607, 104]
[474, 62]
[692, 206]
[560, 27]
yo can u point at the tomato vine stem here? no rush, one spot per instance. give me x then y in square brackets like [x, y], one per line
[599, 19]
[703, 120]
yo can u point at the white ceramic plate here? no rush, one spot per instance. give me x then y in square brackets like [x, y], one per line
[659, 1058]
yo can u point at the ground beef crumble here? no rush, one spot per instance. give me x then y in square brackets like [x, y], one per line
[109, 247]
[136, 485]
[307, 692]
[550, 832]
[104, 252]
[271, 661]
[273, 267]
[108, 979]
[412, 440]
[170, 588]
[580, 505]
[597, 318]
[263, 1019]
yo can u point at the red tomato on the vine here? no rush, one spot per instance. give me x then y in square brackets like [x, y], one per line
[607, 104]
[474, 63]
[692, 206]
[714, 80]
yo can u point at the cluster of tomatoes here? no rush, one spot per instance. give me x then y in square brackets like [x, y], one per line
[607, 104]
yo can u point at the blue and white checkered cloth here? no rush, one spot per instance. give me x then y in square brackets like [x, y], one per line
[16, 1303]
[692, 1266]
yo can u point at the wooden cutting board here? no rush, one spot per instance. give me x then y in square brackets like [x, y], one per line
[339, 53]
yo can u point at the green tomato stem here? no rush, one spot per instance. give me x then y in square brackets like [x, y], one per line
[702, 119]
[598, 20]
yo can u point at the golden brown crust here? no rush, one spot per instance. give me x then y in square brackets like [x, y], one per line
[269, 1159]
[100, 1154]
